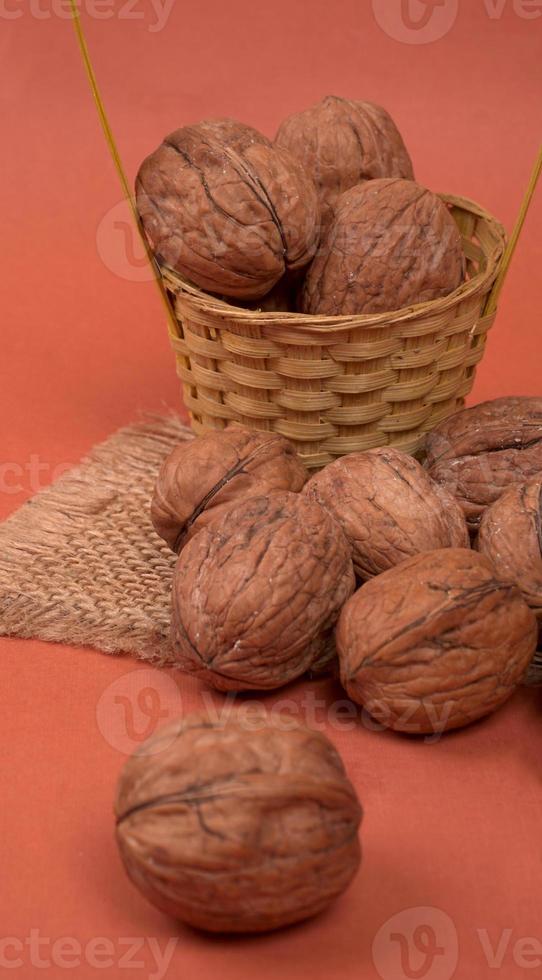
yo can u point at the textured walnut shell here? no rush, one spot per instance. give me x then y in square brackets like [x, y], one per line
[256, 593]
[511, 537]
[480, 452]
[199, 480]
[435, 642]
[388, 508]
[341, 142]
[227, 209]
[237, 830]
[391, 244]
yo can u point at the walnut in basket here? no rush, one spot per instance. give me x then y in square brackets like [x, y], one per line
[391, 244]
[257, 592]
[436, 642]
[388, 507]
[237, 830]
[227, 209]
[199, 480]
[342, 142]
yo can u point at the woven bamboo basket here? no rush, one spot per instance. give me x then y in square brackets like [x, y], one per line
[332, 385]
[336, 385]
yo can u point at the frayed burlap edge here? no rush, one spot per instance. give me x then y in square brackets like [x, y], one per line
[80, 562]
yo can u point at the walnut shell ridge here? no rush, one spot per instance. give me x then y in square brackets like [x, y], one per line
[342, 142]
[481, 451]
[200, 479]
[388, 507]
[232, 829]
[227, 209]
[257, 592]
[510, 536]
[391, 244]
[436, 642]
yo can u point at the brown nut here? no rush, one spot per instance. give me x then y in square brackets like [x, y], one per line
[199, 480]
[256, 593]
[236, 830]
[511, 537]
[391, 244]
[227, 209]
[435, 642]
[480, 452]
[342, 142]
[388, 508]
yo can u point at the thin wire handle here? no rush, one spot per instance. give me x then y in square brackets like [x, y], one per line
[110, 140]
[493, 297]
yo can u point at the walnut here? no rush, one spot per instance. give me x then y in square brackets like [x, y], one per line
[511, 537]
[199, 480]
[435, 642]
[227, 209]
[388, 508]
[480, 452]
[233, 829]
[256, 593]
[341, 143]
[391, 244]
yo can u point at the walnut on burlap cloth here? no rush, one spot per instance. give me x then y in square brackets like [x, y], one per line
[81, 563]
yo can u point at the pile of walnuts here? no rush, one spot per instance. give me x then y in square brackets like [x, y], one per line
[367, 565]
[431, 632]
[325, 220]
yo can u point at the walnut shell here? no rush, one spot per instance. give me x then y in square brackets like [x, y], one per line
[511, 537]
[227, 209]
[236, 830]
[199, 480]
[391, 244]
[342, 142]
[435, 642]
[388, 508]
[480, 452]
[256, 593]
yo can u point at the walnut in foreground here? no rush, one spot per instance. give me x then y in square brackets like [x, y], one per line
[342, 142]
[388, 507]
[235, 830]
[511, 537]
[480, 452]
[391, 244]
[257, 592]
[227, 209]
[200, 479]
[436, 642]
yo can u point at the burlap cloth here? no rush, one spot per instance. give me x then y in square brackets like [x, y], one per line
[80, 562]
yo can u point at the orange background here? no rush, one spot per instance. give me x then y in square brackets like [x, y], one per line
[456, 825]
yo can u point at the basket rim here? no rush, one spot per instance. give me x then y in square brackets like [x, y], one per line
[306, 322]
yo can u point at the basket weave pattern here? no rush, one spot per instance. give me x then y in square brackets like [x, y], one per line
[334, 385]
